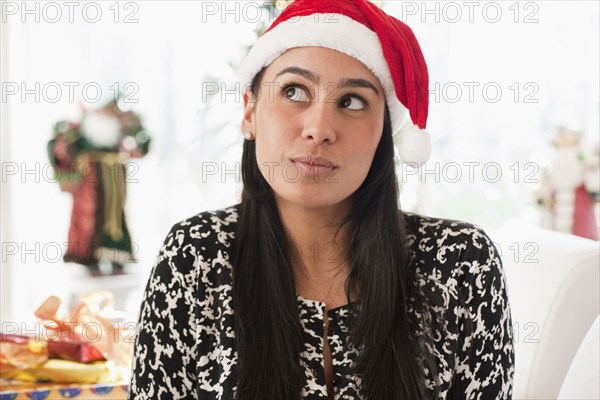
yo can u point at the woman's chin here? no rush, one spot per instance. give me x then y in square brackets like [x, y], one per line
[312, 197]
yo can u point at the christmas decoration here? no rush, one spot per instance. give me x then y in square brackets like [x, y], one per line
[570, 187]
[63, 348]
[89, 159]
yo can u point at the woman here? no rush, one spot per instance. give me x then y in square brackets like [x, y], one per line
[316, 285]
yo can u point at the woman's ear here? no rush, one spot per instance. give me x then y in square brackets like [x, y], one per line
[249, 107]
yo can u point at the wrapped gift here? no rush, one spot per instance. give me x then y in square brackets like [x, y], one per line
[113, 337]
[74, 350]
[20, 352]
[63, 371]
[68, 354]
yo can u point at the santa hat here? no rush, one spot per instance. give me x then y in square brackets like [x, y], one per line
[381, 42]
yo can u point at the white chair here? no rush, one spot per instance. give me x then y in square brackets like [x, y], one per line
[553, 289]
[583, 379]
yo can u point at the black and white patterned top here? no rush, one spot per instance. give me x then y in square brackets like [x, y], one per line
[185, 346]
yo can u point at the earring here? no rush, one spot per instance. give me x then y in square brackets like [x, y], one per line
[248, 135]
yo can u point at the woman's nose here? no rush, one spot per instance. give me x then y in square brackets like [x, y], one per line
[319, 125]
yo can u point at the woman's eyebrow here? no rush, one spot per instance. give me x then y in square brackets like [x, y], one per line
[300, 71]
[314, 78]
[359, 83]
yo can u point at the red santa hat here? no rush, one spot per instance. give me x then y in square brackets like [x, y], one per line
[384, 44]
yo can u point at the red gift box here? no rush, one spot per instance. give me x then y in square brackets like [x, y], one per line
[74, 350]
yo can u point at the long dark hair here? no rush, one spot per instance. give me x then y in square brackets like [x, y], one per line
[393, 357]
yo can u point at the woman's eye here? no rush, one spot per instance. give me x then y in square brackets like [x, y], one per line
[295, 93]
[358, 104]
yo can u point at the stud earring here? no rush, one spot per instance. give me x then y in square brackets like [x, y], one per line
[248, 135]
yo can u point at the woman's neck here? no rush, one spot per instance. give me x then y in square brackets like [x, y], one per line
[318, 260]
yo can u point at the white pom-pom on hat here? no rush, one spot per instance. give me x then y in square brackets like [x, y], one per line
[414, 145]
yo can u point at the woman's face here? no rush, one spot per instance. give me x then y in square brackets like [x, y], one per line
[315, 102]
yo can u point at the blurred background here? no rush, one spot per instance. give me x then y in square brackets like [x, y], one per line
[145, 93]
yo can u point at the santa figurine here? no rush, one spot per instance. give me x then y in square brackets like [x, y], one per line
[570, 186]
[89, 159]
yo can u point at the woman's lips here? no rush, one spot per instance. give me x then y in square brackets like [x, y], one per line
[314, 166]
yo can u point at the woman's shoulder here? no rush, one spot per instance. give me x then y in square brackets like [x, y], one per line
[199, 239]
[427, 224]
[213, 219]
[449, 244]
[212, 229]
